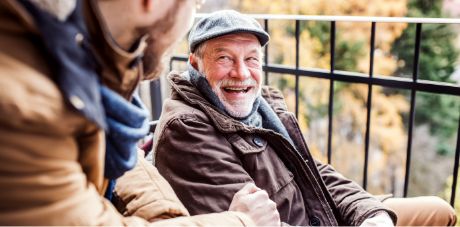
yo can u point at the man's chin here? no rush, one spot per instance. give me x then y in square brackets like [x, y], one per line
[238, 112]
[155, 58]
[237, 108]
[153, 73]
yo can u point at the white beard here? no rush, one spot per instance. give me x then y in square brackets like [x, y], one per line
[237, 108]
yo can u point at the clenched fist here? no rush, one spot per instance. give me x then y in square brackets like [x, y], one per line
[255, 202]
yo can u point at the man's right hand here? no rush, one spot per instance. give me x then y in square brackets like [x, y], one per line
[255, 202]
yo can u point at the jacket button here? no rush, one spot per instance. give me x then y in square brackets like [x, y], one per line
[77, 102]
[258, 141]
[79, 38]
[314, 221]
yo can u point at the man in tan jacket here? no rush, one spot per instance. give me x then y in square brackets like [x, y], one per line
[53, 64]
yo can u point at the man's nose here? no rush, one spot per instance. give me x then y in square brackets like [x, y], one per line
[241, 71]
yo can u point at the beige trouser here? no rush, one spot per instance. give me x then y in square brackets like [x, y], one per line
[422, 211]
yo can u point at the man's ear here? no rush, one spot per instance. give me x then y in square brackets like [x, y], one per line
[193, 61]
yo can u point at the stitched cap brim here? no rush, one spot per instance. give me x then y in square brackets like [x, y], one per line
[262, 37]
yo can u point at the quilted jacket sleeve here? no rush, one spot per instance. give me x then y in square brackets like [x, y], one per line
[146, 194]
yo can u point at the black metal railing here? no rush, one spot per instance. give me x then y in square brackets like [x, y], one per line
[413, 84]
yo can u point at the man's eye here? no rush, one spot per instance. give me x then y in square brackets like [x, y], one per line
[252, 59]
[224, 58]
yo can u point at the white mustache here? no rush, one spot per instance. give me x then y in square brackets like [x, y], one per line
[230, 82]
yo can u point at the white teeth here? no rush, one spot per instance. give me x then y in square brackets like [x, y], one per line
[235, 88]
[233, 83]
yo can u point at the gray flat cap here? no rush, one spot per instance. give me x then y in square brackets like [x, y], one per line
[225, 22]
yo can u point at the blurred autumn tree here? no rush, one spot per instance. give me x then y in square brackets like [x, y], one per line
[437, 61]
[436, 114]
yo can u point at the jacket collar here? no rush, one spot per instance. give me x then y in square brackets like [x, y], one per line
[121, 69]
[182, 87]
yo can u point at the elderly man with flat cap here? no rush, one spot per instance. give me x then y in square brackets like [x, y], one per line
[221, 130]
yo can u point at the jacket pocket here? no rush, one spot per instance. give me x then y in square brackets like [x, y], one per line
[256, 144]
[261, 162]
[248, 145]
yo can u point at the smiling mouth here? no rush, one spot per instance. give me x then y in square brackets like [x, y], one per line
[237, 89]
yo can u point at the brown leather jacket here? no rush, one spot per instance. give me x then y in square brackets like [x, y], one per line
[52, 159]
[207, 156]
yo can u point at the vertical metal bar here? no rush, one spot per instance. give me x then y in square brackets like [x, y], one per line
[155, 95]
[297, 36]
[457, 155]
[266, 53]
[369, 106]
[409, 141]
[331, 92]
[155, 99]
[418, 34]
